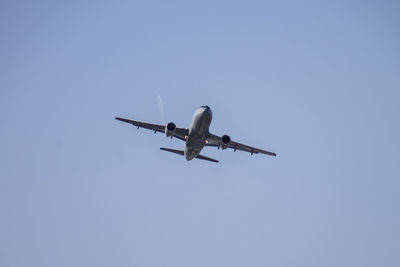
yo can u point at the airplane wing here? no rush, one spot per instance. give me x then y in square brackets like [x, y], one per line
[214, 140]
[180, 133]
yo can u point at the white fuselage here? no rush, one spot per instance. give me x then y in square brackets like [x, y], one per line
[198, 132]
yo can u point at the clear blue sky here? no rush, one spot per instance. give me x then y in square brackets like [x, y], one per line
[317, 82]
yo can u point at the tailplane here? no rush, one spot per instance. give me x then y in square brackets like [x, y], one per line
[206, 158]
[180, 152]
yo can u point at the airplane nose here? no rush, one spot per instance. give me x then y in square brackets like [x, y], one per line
[207, 109]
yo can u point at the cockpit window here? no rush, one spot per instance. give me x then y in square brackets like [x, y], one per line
[207, 107]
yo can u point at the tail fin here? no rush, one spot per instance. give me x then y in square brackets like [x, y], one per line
[180, 152]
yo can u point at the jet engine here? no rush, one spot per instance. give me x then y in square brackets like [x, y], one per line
[170, 129]
[225, 141]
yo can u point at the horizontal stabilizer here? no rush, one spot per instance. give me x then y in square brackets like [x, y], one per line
[180, 152]
[206, 158]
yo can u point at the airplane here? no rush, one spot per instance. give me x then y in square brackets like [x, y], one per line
[197, 136]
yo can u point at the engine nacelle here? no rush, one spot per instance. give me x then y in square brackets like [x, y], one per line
[225, 141]
[170, 129]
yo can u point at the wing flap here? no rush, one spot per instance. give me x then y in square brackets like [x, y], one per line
[214, 140]
[180, 133]
[139, 124]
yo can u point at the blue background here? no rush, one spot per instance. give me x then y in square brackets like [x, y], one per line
[317, 82]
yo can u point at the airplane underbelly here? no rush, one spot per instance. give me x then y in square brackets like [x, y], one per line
[190, 152]
[197, 135]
